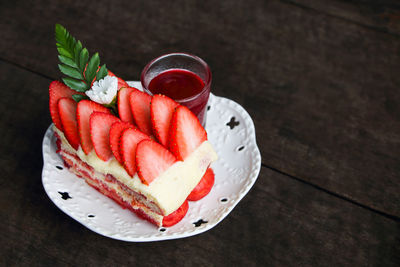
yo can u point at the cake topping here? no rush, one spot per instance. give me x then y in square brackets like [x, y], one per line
[152, 159]
[84, 109]
[161, 110]
[104, 91]
[186, 133]
[124, 106]
[75, 64]
[100, 124]
[116, 131]
[129, 141]
[67, 111]
[57, 90]
[121, 83]
[140, 106]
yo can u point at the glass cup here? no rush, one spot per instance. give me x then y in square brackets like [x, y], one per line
[183, 77]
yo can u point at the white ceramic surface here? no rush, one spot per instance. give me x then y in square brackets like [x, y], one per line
[236, 170]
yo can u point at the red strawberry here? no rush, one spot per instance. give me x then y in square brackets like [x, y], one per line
[121, 82]
[203, 187]
[67, 111]
[124, 106]
[58, 90]
[115, 136]
[84, 109]
[186, 133]
[161, 110]
[152, 159]
[140, 106]
[100, 124]
[176, 216]
[129, 141]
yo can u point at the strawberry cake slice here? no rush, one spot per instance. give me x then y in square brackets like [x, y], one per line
[147, 153]
[152, 175]
[131, 167]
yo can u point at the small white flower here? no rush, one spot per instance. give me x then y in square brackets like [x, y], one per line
[104, 90]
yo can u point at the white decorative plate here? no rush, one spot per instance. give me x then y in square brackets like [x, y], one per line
[230, 130]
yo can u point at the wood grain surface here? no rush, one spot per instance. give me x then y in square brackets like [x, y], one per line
[320, 80]
[379, 15]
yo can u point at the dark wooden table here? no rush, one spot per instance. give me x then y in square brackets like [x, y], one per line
[321, 80]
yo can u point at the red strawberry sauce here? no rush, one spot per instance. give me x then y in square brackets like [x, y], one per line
[176, 84]
[183, 86]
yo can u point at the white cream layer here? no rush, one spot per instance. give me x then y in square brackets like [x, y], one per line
[171, 188]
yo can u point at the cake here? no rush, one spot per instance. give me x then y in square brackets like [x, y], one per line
[147, 153]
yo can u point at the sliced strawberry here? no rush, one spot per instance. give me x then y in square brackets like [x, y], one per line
[115, 137]
[121, 82]
[203, 187]
[140, 106]
[110, 73]
[176, 216]
[124, 106]
[58, 90]
[152, 159]
[129, 141]
[84, 109]
[100, 124]
[161, 110]
[186, 133]
[67, 112]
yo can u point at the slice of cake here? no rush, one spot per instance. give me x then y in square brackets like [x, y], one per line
[147, 153]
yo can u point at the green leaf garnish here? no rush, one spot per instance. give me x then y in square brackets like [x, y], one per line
[102, 72]
[67, 61]
[83, 59]
[92, 68]
[77, 85]
[70, 71]
[80, 72]
[62, 51]
[78, 98]
[77, 51]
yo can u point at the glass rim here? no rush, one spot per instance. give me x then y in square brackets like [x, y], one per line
[207, 82]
